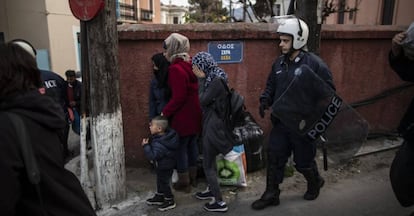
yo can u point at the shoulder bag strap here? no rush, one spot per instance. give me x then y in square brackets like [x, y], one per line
[29, 159]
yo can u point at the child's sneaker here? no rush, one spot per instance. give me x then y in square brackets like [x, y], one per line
[204, 195]
[167, 205]
[157, 199]
[220, 206]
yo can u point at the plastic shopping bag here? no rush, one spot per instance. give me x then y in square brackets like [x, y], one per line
[231, 168]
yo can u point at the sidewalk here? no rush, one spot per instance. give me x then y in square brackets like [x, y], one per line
[141, 184]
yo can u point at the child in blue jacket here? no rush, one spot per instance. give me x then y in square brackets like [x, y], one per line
[161, 148]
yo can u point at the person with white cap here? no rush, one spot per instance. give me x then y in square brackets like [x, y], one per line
[401, 60]
[293, 35]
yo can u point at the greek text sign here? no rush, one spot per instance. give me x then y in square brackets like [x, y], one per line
[226, 51]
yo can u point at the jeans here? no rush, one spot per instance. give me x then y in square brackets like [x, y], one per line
[210, 169]
[187, 153]
[163, 182]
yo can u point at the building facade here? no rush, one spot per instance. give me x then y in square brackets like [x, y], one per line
[138, 11]
[173, 14]
[372, 12]
[54, 32]
[49, 25]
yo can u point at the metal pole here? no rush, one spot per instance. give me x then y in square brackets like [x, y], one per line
[84, 175]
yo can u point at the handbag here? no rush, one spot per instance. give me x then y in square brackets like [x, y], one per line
[250, 134]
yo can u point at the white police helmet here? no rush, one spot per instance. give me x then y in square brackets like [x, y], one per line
[297, 28]
[26, 46]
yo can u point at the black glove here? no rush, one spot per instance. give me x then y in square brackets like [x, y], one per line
[262, 108]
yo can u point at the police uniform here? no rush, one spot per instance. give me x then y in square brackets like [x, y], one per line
[283, 141]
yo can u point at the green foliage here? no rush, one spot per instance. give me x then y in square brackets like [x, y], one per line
[206, 11]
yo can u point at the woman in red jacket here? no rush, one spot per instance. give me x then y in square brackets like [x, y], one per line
[183, 109]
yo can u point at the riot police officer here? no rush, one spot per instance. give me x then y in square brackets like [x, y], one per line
[293, 35]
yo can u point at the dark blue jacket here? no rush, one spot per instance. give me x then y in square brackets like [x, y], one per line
[157, 99]
[162, 149]
[283, 71]
[54, 86]
[77, 91]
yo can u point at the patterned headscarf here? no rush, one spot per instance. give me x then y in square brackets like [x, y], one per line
[205, 62]
[177, 46]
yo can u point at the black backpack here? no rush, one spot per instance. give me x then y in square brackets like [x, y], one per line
[236, 109]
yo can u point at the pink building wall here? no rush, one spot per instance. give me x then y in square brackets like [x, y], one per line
[370, 12]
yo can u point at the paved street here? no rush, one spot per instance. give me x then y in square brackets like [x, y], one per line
[359, 188]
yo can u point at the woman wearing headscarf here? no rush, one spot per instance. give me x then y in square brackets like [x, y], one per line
[215, 137]
[183, 109]
[160, 92]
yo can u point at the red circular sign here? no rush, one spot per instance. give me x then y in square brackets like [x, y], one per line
[86, 10]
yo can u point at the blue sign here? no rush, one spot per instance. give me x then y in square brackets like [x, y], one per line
[226, 51]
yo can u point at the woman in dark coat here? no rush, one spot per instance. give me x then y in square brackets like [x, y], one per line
[215, 137]
[160, 92]
[59, 191]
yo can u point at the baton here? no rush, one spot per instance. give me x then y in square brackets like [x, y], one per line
[325, 153]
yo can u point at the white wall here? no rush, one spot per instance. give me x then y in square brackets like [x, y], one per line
[47, 25]
[62, 27]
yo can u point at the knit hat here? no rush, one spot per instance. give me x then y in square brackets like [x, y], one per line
[177, 46]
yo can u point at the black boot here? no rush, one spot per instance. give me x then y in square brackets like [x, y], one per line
[183, 183]
[272, 192]
[315, 182]
[267, 199]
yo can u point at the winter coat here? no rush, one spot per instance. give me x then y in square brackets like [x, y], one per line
[77, 91]
[215, 132]
[283, 71]
[183, 109]
[55, 87]
[405, 69]
[61, 191]
[162, 149]
[157, 99]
